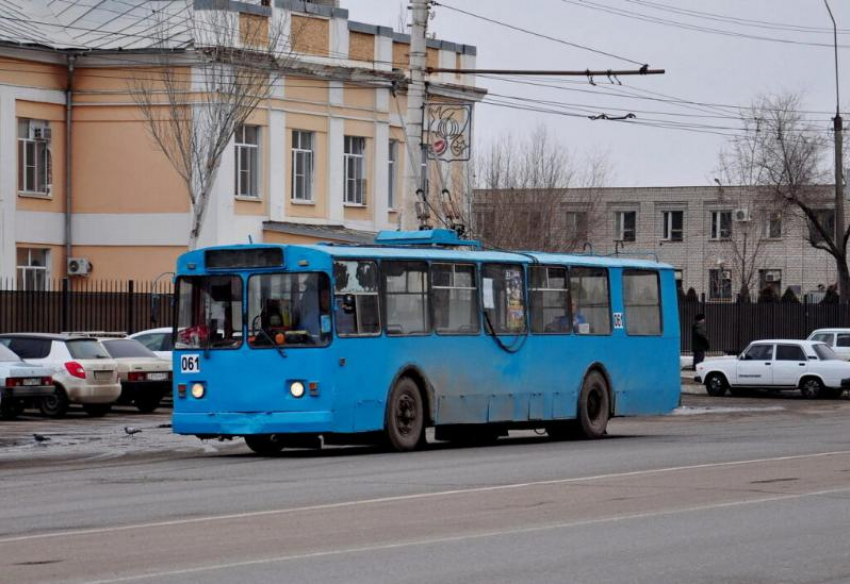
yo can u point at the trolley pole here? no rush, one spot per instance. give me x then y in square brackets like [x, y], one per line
[417, 161]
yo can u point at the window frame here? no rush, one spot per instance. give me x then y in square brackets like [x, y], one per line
[41, 168]
[643, 271]
[476, 277]
[768, 358]
[788, 345]
[610, 303]
[720, 271]
[298, 151]
[382, 287]
[358, 182]
[22, 271]
[243, 313]
[377, 293]
[668, 232]
[574, 229]
[620, 226]
[253, 171]
[569, 306]
[773, 218]
[716, 232]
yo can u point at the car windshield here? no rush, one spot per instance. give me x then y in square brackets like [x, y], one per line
[87, 349]
[209, 313]
[825, 353]
[7, 356]
[289, 309]
[122, 348]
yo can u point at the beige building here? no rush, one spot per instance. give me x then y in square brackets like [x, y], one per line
[717, 238]
[322, 159]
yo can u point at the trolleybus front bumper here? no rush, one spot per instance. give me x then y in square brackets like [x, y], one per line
[241, 424]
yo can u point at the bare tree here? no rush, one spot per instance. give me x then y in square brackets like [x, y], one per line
[193, 101]
[522, 200]
[786, 158]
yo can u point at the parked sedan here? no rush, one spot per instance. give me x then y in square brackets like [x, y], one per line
[145, 378]
[21, 383]
[82, 370]
[809, 366]
[158, 340]
[838, 340]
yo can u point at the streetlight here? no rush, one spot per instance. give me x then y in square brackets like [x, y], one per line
[838, 126]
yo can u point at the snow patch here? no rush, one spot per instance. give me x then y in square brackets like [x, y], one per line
[698, 411]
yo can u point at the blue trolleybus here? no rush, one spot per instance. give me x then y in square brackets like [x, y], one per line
[304, 345]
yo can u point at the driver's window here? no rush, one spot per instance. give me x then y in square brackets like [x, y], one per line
[759, 353]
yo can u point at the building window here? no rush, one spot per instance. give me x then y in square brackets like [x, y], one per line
[576, 227]
[391, 167]
[355, 175]
[773, 225]
[247, 140]
[673, 225]
[826, 219]
[33, 156]
[625, 226]
[770, 281]
[721, 224]
[302, 166]
[719, 285]
[33, 269]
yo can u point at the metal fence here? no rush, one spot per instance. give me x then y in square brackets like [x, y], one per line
[732, 326]
[82, 305]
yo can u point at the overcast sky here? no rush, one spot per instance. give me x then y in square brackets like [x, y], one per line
[701, 67]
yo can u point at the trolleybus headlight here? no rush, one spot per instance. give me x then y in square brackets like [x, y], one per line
[198, 390]
[296, 389]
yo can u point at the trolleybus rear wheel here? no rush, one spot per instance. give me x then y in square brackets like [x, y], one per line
[265, 444]
[405, 418]
[594, 406]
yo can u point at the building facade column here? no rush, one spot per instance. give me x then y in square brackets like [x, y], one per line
[276, 174]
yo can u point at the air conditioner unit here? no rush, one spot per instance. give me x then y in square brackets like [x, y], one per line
[39, 130]
[79, 267]
[741, 215]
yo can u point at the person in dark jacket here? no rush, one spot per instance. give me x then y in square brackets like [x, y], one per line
[699, 339]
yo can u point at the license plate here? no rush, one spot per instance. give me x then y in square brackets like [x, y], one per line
[103, 375]
[190, 363]
[157, 376]
[31, 381]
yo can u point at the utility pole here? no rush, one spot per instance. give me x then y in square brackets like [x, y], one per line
[414, 206]
[838, 127]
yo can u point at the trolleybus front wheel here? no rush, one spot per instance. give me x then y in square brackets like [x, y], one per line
[405, 419]
[594, 406]
[265, 444]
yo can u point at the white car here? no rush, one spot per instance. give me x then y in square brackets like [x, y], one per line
[809, 366]
[21, 383]
[145, 378]
[81, 368]
[158, 340]
[838, 340]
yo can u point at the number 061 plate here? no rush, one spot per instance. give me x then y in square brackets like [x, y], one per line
[190, 363]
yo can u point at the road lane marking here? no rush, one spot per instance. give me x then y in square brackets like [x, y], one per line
[466, 537]
[412, 497]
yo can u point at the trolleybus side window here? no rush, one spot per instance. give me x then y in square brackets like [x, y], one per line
[642, 301]
[356, 308]
[406, 297]
[209, 312]
[503, 295]
[454, 298]
[289, 309]
[591, 303]
[549, 300]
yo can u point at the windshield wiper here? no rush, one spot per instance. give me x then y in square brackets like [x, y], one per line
[268, 337]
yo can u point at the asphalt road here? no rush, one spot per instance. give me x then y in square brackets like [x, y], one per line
[742, 490]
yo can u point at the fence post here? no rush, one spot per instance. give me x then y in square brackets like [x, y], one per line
[66, 304]
[131, 305]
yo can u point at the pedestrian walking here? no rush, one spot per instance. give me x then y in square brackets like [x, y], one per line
[699, 339]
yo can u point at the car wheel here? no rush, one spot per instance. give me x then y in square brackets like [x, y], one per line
[716, 385]
[265, 444]
[404, 426]
[811, 388]
[97, 410]
[56, 405]
[594, 406]
[148, 403]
